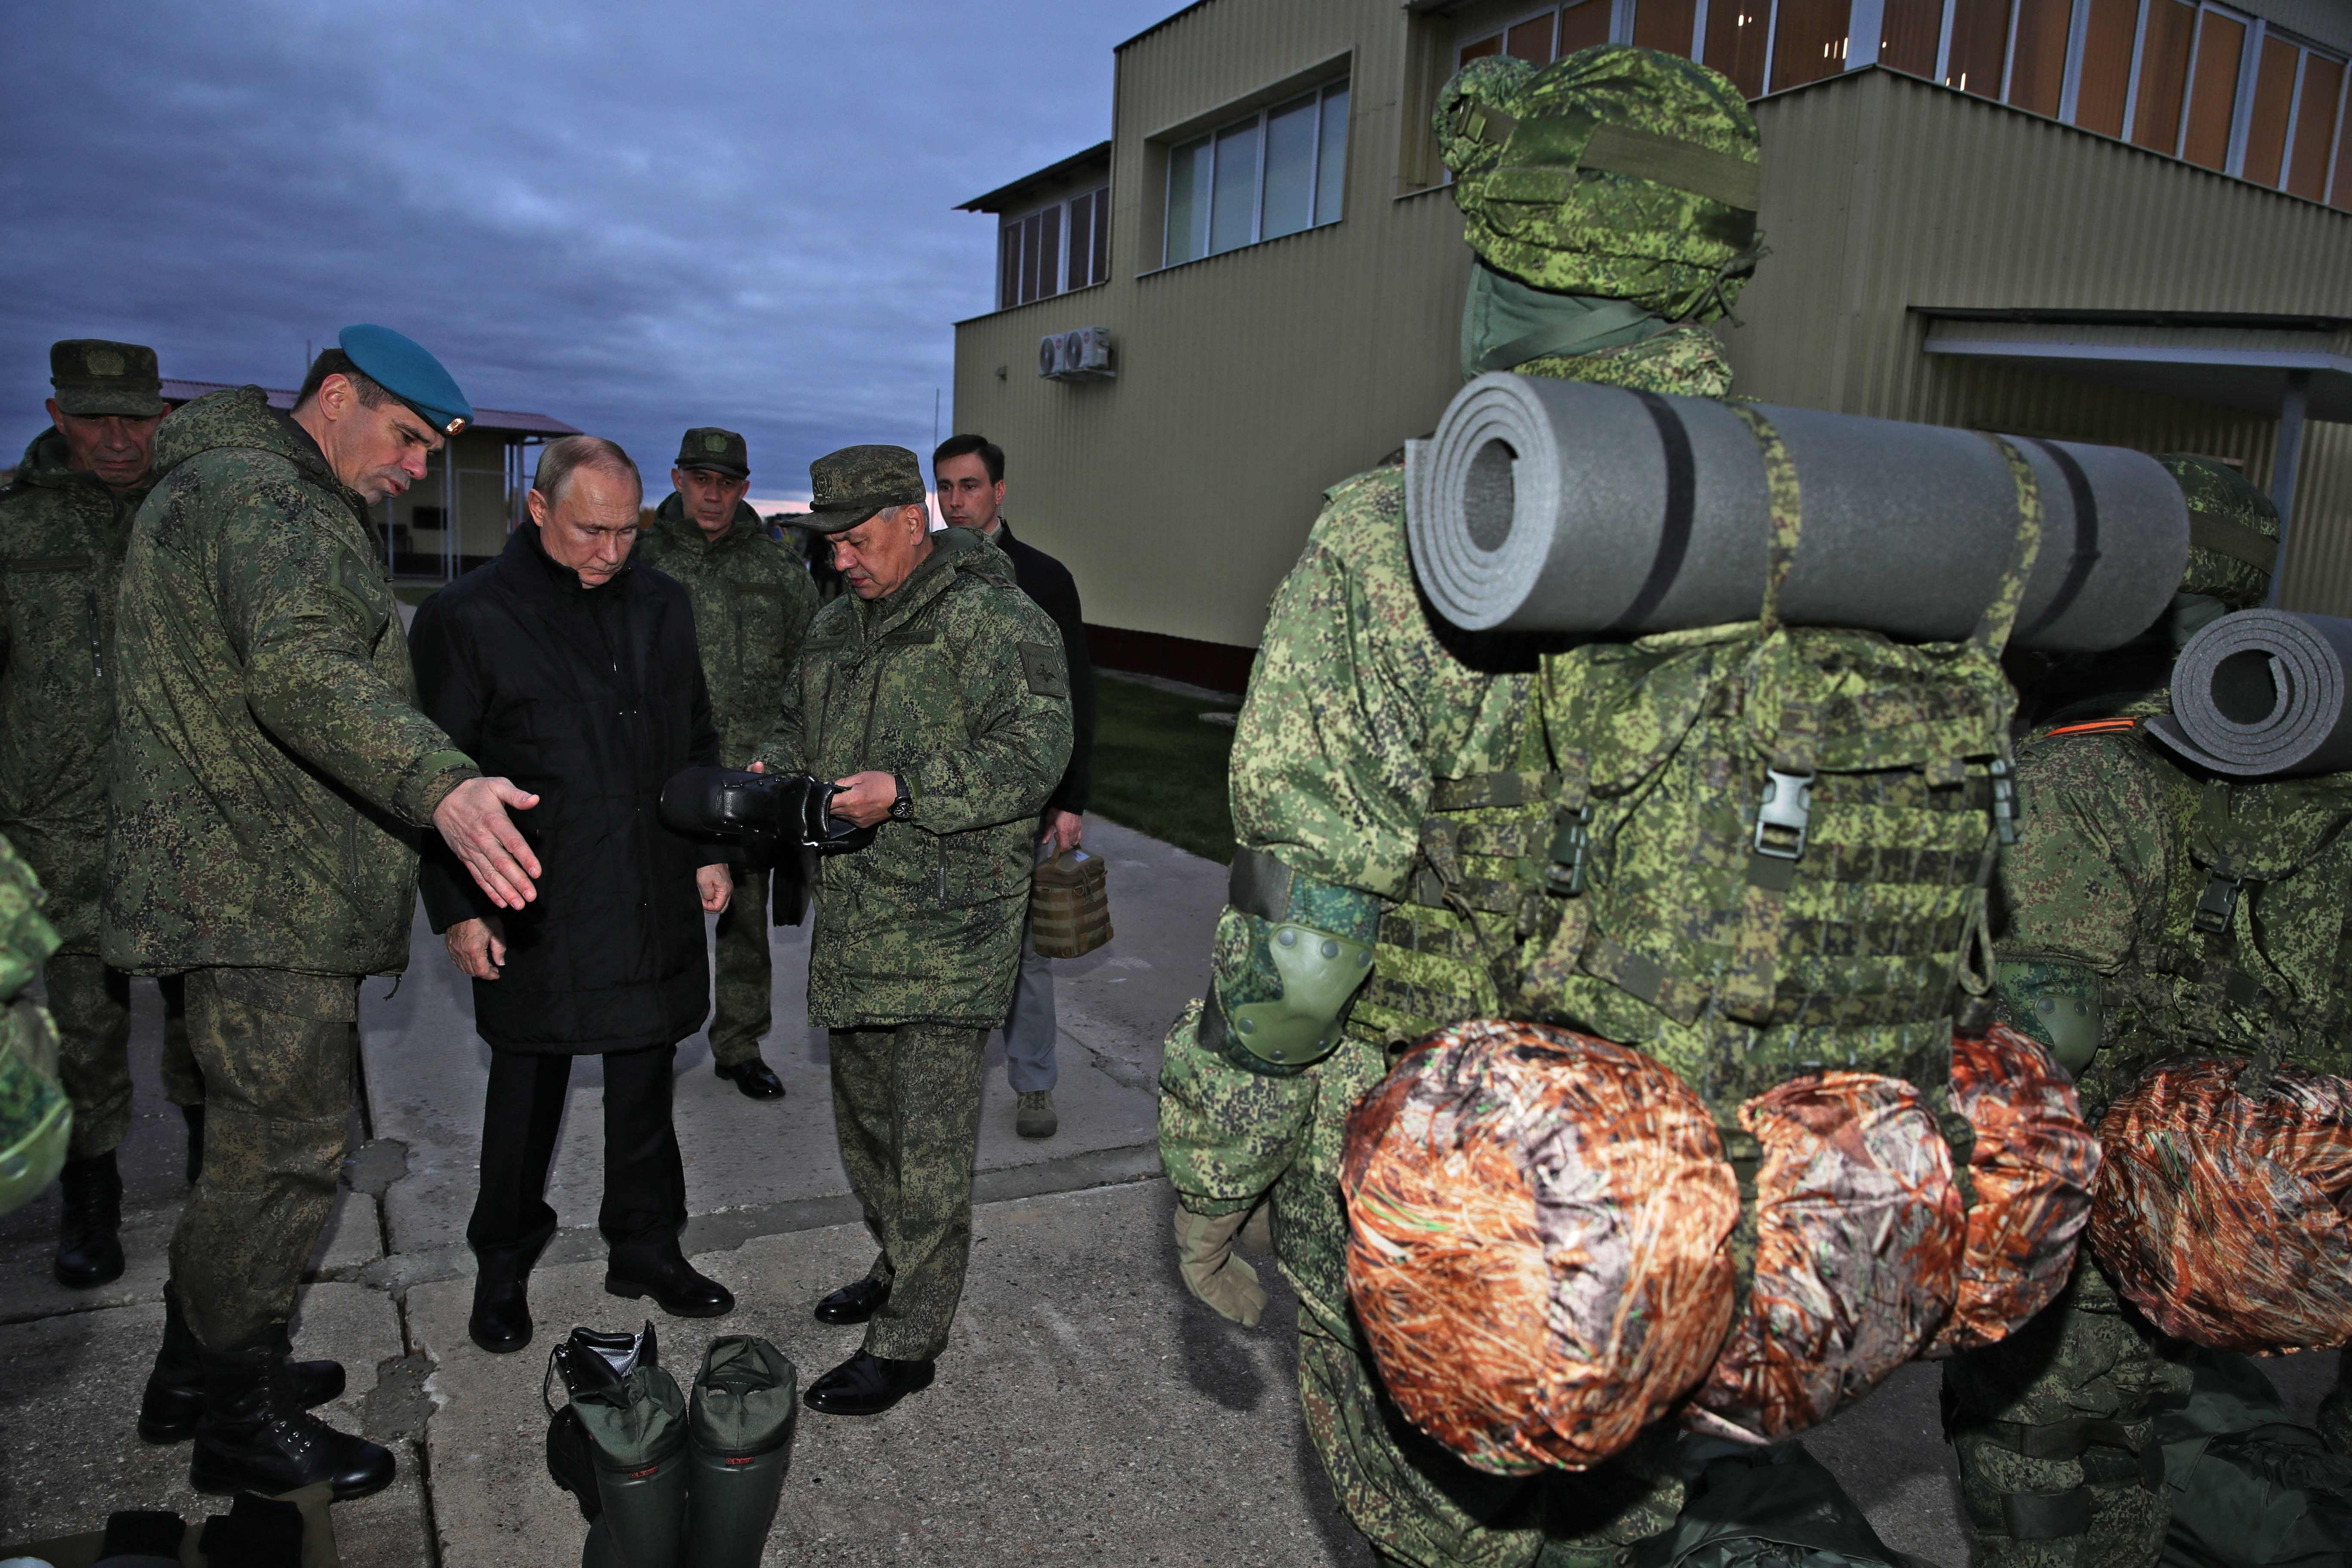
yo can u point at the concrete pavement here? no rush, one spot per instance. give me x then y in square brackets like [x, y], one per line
[1086, 1411]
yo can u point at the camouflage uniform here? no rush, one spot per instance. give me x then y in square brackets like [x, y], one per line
[34, 1117]
[2100, 894]
[752, 602]
[956, 682]
[271, 773]
[62, 535]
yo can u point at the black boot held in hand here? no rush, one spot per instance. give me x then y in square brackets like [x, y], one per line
[194, 1115]
[90, 1237]
[175, 1399]
[867, 1384]
[256, 1436]
[501, 1321]
[667, 1276]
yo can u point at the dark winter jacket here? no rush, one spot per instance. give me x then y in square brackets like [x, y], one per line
[590, 698]
[1051, 588]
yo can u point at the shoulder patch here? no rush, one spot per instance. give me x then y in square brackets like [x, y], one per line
[1043, 668]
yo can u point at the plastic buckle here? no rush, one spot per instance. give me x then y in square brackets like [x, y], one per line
[2005, 800]
[1784, 814]
[2218, 904]
[1572, 847]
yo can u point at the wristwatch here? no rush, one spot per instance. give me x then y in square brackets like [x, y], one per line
[903, 808]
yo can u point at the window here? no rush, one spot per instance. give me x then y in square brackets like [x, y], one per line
[1279, 171]
[1547, 35]
[1055, 249]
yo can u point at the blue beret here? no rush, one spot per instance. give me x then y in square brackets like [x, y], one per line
[401, 367]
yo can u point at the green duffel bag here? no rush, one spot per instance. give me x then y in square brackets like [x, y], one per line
[1769, 1507]
[2249, 1487]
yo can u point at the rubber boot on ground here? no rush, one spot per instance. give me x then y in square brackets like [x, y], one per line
[255, 1436]
[637, 1441]
[740, 1445]
[175, 1399]
[89, 1235]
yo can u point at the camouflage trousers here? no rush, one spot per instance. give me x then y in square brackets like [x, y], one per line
[276, 1050]
[92, 1004]
[905, 1105]
[743, 1009]
[2054, 1428]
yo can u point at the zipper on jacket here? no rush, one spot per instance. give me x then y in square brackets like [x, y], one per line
[97, 639]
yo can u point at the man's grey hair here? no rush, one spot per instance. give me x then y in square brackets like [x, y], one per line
[559, 461]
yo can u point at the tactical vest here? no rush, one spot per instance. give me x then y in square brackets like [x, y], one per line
[2253, 953]
[1755, 850]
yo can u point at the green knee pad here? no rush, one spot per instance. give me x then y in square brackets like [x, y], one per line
[1291, 954]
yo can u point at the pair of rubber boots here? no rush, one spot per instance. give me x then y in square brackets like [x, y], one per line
[696, 1484]
[248, 1409]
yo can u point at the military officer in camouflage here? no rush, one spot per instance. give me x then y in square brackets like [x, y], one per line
[934, 694]
[270, 771]
[753, 600]
[1365, 715]
[2103, 959]
[64, 525]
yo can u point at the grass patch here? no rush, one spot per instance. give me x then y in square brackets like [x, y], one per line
[1160, 768]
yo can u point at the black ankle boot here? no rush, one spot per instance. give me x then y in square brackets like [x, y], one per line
[194, 1115]
[255, 1436]
[89, 1239]
[175, 1399]
[501, 1321]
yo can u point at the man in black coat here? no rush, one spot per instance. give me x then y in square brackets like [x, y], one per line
[578, 673]
[969, 473]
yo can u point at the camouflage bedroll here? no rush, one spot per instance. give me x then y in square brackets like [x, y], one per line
[2224, 1207]
[1549, 1249]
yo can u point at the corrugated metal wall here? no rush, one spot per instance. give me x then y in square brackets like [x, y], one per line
[1247, 383]
[1882, 192]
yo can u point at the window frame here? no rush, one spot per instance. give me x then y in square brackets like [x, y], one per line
[1314, 94]
[1012, 228]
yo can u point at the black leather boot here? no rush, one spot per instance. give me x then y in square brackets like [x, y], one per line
[500, 1322]
[89, 1239]
[175, 1400]
[194, 1115]
[255, 1436]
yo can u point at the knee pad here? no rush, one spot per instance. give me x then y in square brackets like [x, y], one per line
[2222, 1205]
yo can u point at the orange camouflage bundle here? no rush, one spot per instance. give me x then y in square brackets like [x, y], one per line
[2222, 1207]
[1536, 1222]
[1859, 1232]
[2032, 1165]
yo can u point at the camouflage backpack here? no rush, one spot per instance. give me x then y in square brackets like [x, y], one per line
[1756, 850]
[1617, 171]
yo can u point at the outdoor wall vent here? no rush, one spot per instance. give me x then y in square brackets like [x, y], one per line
[1084, 354]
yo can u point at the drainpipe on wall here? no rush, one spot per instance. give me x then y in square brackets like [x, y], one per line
[2283, 467]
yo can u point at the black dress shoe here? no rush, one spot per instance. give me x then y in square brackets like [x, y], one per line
[501, 1321]
[755, 1078]
[672, 1283]
[854, 1302]
[867, 1384]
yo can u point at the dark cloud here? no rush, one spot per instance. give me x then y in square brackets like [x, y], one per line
[633, 218]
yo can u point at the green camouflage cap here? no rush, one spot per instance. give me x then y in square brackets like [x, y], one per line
[847, 487]
[721, 451]
[2233, 531]
[1616, 172]
[94, 377]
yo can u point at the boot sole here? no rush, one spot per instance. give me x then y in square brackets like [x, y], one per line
[215, 1483]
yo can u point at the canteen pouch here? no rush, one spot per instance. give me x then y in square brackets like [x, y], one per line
[1069, 905]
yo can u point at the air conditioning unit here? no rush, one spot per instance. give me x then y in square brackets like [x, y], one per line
[1084, 354]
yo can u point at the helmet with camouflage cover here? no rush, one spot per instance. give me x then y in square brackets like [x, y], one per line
[1616, 172]
[2233, 531]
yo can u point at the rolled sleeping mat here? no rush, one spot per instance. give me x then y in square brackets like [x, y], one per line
[1566, 507]
[2261, 693]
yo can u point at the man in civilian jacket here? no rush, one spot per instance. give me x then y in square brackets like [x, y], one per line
[578, 673]
[969, 473]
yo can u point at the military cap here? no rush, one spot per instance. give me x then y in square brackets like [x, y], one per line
[721, 451]
[849, 486]
[401, 367]
[94, 377]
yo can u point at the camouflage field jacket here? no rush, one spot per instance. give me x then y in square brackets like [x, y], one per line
[271, 765]
[752, 603]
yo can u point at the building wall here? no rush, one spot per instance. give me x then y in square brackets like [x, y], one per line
[482, 501]
[1247, 383]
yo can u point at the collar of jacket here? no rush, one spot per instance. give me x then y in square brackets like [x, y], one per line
[683, 532]
[47, 464]
[954, 551]
[241, 418]
[525, 544]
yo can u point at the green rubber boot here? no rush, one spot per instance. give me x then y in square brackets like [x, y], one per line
[744, 1405]
[637, 1441]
